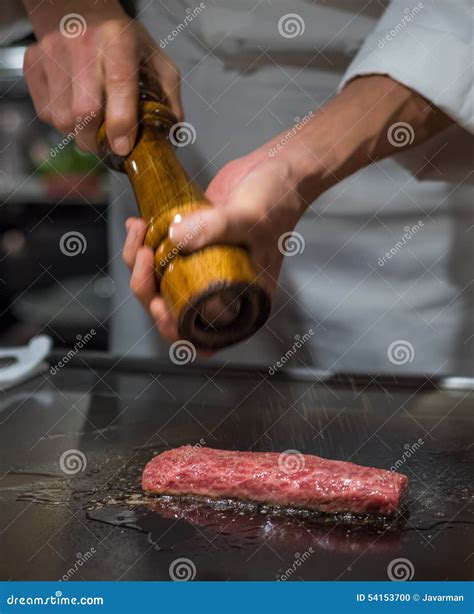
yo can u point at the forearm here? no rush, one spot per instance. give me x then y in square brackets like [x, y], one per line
[354, 129]
[46, 16]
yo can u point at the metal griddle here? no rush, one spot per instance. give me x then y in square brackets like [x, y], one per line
[120, 413]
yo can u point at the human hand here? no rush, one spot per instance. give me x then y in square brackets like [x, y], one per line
[84, 70]
[253, 203]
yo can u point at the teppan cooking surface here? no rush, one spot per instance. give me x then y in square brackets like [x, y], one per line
[73, 445]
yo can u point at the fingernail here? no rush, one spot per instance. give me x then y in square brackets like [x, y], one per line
[122, 145]
[177, 220]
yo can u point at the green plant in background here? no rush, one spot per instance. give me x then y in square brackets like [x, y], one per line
[67, 159]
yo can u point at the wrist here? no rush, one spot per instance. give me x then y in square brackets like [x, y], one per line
[351, 131]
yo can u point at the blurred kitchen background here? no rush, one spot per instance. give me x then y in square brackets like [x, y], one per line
[53, 204]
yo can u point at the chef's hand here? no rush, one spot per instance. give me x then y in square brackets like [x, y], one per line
[254, 203]
[259, 197]
[85, 66]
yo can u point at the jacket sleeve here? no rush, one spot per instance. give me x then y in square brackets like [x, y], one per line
[427, 46]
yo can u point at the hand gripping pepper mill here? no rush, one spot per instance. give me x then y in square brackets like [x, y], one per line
[219, 279]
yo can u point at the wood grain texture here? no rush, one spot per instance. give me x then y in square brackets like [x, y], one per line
[213, 293]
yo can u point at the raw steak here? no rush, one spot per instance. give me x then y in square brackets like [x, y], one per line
[289, 480]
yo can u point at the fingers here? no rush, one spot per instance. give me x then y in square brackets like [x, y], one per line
[141, 261]
[121, 86]
[136, 230]
[35, 75]
[164, 320]
[167, 324]
[207, 227]
[59, 85]
[142, 281]
[87, 98]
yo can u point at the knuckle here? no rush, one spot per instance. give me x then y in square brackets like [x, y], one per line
[116, 28]
[49, 43]
[119, 76]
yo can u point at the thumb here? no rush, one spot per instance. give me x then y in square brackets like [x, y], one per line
[205, 227]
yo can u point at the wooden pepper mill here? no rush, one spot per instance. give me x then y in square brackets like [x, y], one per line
[213, 293]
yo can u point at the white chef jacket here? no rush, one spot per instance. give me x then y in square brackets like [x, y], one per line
[385, 279]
